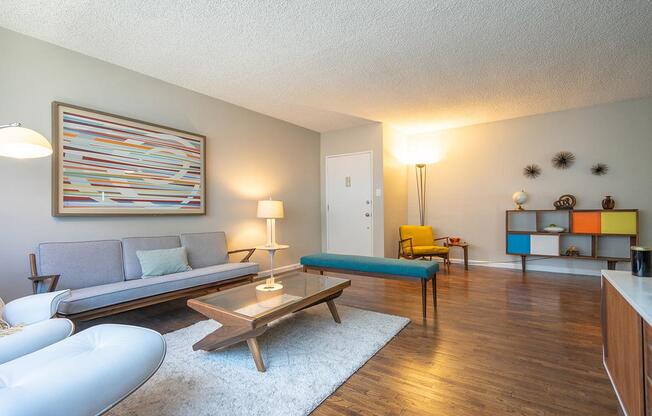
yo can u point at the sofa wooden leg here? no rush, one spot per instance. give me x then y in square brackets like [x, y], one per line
[424, 295]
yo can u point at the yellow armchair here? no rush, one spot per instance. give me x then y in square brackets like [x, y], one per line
[418, 241]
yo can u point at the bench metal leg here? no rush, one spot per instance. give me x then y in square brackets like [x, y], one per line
[424, 295]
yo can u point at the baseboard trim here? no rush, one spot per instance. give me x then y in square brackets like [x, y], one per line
[530, 266]
[279, 270]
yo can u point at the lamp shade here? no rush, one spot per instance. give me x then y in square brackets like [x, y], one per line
[22, 143]
[270, 209]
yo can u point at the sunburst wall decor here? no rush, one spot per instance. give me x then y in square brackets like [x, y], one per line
[531, 171]
[599, 169]
[563, 160]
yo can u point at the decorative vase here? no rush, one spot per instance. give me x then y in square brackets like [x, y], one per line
[608, 203]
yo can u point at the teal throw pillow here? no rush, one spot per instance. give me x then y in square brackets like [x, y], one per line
[162, 262]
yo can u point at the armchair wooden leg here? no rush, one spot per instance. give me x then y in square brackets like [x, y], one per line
[424, 295]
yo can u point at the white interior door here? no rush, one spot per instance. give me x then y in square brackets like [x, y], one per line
[349, 209]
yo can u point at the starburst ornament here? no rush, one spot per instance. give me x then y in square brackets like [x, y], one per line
[563, 160]
[532, 171]
[599, 169]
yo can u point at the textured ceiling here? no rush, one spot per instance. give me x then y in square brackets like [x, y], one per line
[327, 65]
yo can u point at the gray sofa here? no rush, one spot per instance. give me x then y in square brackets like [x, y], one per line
[105, 276]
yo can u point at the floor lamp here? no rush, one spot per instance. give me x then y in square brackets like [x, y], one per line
[20, 143]
[420, 171]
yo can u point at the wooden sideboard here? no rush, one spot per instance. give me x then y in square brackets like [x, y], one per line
[596, 234]
[627, 339]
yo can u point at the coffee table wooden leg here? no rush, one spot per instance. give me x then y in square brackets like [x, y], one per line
[333, 309]
[252, 343]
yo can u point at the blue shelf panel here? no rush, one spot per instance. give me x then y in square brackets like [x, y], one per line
[518, 243]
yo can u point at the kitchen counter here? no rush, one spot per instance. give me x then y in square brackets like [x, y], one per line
[636, 290]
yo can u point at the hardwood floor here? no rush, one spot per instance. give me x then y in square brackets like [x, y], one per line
[500, 344]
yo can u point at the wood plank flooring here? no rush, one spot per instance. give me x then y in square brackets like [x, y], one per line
[500, 344]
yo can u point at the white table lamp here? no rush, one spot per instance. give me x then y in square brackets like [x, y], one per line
[270, 210]
[20, 143]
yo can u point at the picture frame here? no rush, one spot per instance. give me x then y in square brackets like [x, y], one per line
[105, 164]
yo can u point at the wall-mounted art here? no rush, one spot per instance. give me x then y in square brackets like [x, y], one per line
[599, 169]
[106, 164]
[563, 160]
[532, 171]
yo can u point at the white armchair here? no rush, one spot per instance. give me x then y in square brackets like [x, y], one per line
[33, 313]
[83, 375]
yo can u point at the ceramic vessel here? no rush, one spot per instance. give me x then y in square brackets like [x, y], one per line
[642, 261]
[608, 202]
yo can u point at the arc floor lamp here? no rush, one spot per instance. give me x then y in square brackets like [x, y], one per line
[421, 175]
[21, 143]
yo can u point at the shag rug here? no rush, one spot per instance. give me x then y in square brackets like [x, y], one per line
[307, 355]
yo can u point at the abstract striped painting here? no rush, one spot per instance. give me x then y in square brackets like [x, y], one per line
[108, 165]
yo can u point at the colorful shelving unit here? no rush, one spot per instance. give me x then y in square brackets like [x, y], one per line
[598, 234]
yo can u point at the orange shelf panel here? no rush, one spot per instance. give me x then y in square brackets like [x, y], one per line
[587, 222]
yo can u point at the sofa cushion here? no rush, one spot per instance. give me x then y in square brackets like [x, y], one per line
[378, 265]
[82, 264]
[162, 262]
[90, 298]
[205, 249]
[132, 244]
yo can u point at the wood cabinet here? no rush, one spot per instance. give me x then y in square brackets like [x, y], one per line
[647, 375]
[623, 350]
[590, 234]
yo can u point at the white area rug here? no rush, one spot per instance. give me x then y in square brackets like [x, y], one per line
[308, 356]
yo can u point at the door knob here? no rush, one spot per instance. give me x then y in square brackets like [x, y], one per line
[366, 214]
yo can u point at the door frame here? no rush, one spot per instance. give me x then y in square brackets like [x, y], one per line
[371, 192]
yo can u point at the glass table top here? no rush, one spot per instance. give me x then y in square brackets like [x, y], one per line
[251, 301]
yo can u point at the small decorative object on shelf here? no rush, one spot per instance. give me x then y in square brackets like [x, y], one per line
[454, 240]
[567, 201]
[519, 199]
[554, 228]
[532, 171]
[642, 261]
[599, 169]
[563, 160]
[572, 251]
[608, 202]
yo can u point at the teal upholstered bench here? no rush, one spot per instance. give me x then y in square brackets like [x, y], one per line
[377, 267]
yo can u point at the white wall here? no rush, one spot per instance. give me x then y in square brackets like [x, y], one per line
[250, 156]
[395, 186]
[357, 139]
[470, 188]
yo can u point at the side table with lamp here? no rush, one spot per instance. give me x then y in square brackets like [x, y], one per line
[270, 210]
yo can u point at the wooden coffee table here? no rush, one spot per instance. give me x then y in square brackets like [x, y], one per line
[245, 311]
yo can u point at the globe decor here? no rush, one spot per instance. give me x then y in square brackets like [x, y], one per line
[519, 199]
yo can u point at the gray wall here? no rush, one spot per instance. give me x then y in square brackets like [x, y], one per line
[471, 187]
[352, 140]
[250, 156]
